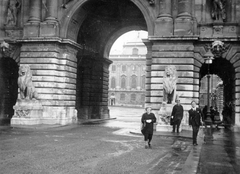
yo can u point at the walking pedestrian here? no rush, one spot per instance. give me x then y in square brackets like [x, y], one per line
[177, 115]
[195, 120]
[148, 119]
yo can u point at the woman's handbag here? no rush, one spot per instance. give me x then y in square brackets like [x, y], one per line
[143, 128]
[171, 121]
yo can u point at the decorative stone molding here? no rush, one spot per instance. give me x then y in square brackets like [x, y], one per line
[151, 2]
[13, 32]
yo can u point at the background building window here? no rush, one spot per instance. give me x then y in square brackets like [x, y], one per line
[133, 97]
[134, 82]
[122, 97]
[134, 51]
[113, 68]
[143, 82]
[124, 68]
[113, 83]
[123, 82]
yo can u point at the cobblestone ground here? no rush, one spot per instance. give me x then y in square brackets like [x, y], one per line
[88, 149]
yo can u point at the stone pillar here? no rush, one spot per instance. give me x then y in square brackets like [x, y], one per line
[52, 11]
[50, 26]
[31, 28]
[54, 69]
[35, 11]
[148, 86]
[164, 21]
[104, 111]
[184, 22]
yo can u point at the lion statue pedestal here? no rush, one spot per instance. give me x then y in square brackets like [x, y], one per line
[163, 116]
[27, 112]
[28, 109]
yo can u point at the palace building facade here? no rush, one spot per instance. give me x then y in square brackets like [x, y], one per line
[128, 74]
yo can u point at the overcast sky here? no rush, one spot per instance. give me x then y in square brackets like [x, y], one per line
[129, 36]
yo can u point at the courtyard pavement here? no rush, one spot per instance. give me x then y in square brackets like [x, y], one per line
[114, 146]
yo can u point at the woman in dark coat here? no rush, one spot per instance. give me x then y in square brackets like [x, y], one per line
[148, 119]
[195, 120]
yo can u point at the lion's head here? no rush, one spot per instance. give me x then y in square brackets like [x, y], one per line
[170, 78]
[24, 70]
[170, 71]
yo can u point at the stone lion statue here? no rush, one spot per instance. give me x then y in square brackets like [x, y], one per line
[25, 84]
[169, 84]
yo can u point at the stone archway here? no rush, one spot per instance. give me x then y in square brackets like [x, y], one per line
[227, 68]
[75, 15]
[95, 25]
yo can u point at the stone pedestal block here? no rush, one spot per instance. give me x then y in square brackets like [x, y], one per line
[163, 27]
[163, 118]
[183, 26]
[164, 128]
[27, 112]
[31, 30]
[49, 29]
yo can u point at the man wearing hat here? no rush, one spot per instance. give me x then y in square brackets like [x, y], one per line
[177, 115]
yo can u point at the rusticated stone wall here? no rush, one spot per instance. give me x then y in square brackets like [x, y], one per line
[92, 87]
[172, 51]
[54, 68]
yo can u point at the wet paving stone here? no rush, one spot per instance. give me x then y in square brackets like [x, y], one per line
[221, 156]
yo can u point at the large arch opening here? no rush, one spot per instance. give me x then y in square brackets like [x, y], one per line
[223, 69]
[102, 24]
[128, 70]
[8, 88]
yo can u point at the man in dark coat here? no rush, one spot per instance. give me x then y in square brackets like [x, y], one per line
[177, 115]
[147, 120]
[195, 120]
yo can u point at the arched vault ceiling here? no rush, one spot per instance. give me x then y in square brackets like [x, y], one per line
[104, 18]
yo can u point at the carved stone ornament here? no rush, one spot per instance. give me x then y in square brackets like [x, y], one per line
[217, 48]
[13, 8]
[151, 2]
[22, 113]
[6, 49]
[219, 10]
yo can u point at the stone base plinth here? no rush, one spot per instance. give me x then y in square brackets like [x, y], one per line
[25, 121]
[163, 26]
[163, 128]
[164, 113]
[33, 113]
[183, 26]
[166, 128]
[27, 112]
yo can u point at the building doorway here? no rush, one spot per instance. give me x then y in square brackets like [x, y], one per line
[8, 88]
